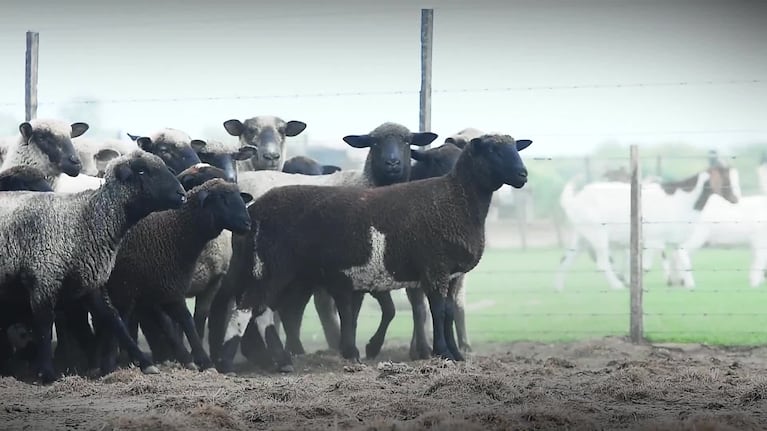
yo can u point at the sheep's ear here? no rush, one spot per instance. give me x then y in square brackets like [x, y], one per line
[78, 129]
[421, 139]
[234, 127]
[523, 143]
[133, 137]
[123, 172]
[105, 155]
[246, 197]
[478, 145]
[144, 142]
[329, 169]
[26, 130]
[294, 127]
[359, 141]
[198, 144]
[245, 152]
[418, 155]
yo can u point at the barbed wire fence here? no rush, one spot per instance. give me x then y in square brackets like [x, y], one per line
[511, 294]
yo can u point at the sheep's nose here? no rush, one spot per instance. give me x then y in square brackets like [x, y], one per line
[523, 173]
[393, 163]
[271, 156]
[74, 159]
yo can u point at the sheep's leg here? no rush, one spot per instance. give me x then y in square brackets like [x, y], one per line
[419, 343]
[439, 317]
[220, 314]
[292, 312]
[328, 314]
[602, 250]
[43, 314]
[373, 348]
[268, 332]
[160, 334]
[202, 305]
[452, 346]
[567, 261]
[82, 334]
[685, 268]
[457, 284]
[102, 309]
[253, 347]
[238, 321]
[348, 301]
[180, 313]
[160, 325]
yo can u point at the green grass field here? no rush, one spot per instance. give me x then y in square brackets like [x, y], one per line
[511, 297]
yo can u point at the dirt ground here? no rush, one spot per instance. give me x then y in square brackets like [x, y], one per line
[599, 384]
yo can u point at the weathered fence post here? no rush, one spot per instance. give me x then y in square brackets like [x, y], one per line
[30, 76]
[636, 328]
[427, 31]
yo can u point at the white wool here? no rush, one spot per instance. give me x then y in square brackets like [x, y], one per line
[55, 126]
[237, 324]
[373, 276]
[171, 136]
[66, 184]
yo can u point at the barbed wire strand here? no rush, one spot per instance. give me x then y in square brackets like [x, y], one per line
[401, 92]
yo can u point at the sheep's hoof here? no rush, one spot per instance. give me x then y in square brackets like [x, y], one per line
[191, 366]
[150, 370]
[211, 370]
[287, 368]
[372, 350]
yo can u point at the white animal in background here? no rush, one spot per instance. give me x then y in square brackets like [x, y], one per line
[601, 211]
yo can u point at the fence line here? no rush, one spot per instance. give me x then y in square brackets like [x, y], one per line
[402, 92]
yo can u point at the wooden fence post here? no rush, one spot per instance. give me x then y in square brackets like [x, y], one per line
[636, 329]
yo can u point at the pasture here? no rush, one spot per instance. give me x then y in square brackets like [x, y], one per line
[511, 297]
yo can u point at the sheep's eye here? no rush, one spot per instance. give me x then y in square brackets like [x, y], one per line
[141, 172]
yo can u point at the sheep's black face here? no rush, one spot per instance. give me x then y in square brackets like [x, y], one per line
[227, 208]
[501, 160]
[176, 155]
[198, 175]
[434, 162]
[57, 147]
[267, 134]
[157, 187]
[226, 161]
[390, 153]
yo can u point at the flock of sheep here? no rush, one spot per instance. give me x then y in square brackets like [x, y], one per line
[705, 209]
[101, 237]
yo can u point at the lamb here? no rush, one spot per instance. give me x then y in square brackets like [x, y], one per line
[23, 177]
[158, 255]
[46, 144]
[420, 233]
[600, 212]
[267, 133]
[38, 272]
[387, 163]
[307, 166]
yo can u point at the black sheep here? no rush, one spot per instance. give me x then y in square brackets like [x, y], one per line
[350, 241]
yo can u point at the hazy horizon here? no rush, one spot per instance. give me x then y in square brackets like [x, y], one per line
[569, 76]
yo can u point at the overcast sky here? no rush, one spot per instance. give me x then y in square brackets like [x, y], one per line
[522, 55]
